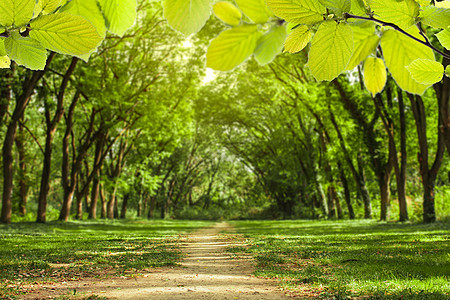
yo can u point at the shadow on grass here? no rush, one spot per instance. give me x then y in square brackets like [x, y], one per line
[354, 258]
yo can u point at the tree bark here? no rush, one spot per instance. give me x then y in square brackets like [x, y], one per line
[21, 103]
[401, 181]
[52, 124]
[358, 175]
[23, 183]
[428, 174]
[351, 212]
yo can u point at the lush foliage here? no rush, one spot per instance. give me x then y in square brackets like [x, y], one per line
[342, 34]
[30, 28]
[352, 259]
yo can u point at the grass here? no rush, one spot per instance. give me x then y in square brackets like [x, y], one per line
[352, 259]
[58, 251]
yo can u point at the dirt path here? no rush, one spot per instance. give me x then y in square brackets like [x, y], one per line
[207, 272]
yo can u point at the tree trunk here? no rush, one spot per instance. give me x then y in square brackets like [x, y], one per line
[52, 124]
[123, 211]
[110, 205]
[401, 180]
[428, 174]
[21, 103]
[351, 212]
[103, 202]
[23, 183]
[69, 179]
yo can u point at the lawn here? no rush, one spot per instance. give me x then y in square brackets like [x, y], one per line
[34, 253]
[352, 259]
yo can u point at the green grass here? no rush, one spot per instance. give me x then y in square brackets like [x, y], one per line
[58, 251]
[352, 259]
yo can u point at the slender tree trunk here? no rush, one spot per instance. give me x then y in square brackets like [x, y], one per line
[358, 175]
[428, 175]
[123, 211]
[96, 180]
[21, 104]
[69, 179]
[110, 205]
[443, 95]
[52, 124]
[103, 202]
[23, 183]
[351, 212]
[363, 189]
[401, 181]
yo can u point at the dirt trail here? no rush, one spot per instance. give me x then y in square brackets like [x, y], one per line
[207, 272]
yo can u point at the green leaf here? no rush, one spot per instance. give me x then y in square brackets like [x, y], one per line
[2, 47]
[399, 51]
[270, 45]
[444, 38]
[358, 7]
[436, 17]
[443, 4]
[49, 6]
[338, 6]
[331, 50]
[232, 47]
[426, 71]
[89, 10]
[5, 62]
[298, 11]
[374, 75]
[119, 14]
[298, 39]
[17, 12]
[227, 12]
[65, 33]
[256, 10]
[26, 51]
[400, 12]
[187, 16]
[447, 71]
[365, 42]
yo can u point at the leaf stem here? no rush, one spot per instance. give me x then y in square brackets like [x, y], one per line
[397, 28]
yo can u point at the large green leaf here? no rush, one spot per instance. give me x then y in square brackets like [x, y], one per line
[26, 51]
[444, 4]
[89, 10]
[232, 47]
[444, 38]
[399, 51]
[270, 45]
[17, 12]
[436, 17]
[65, 33]
[426, 71]
[298, 39]
[358, 7]
[5, 62]
[49, 6]
[339, 6]
[298, 11]
[2, 47]
[400, 12]
[119, 14]
[187, 16]
[364, 40]
[374, 75]
[227, 12]
[256, 10]
[331, 49]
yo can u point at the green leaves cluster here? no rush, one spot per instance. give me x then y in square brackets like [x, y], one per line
[28, 28]
[342, 34]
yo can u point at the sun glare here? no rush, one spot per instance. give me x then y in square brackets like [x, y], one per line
[209, 76]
